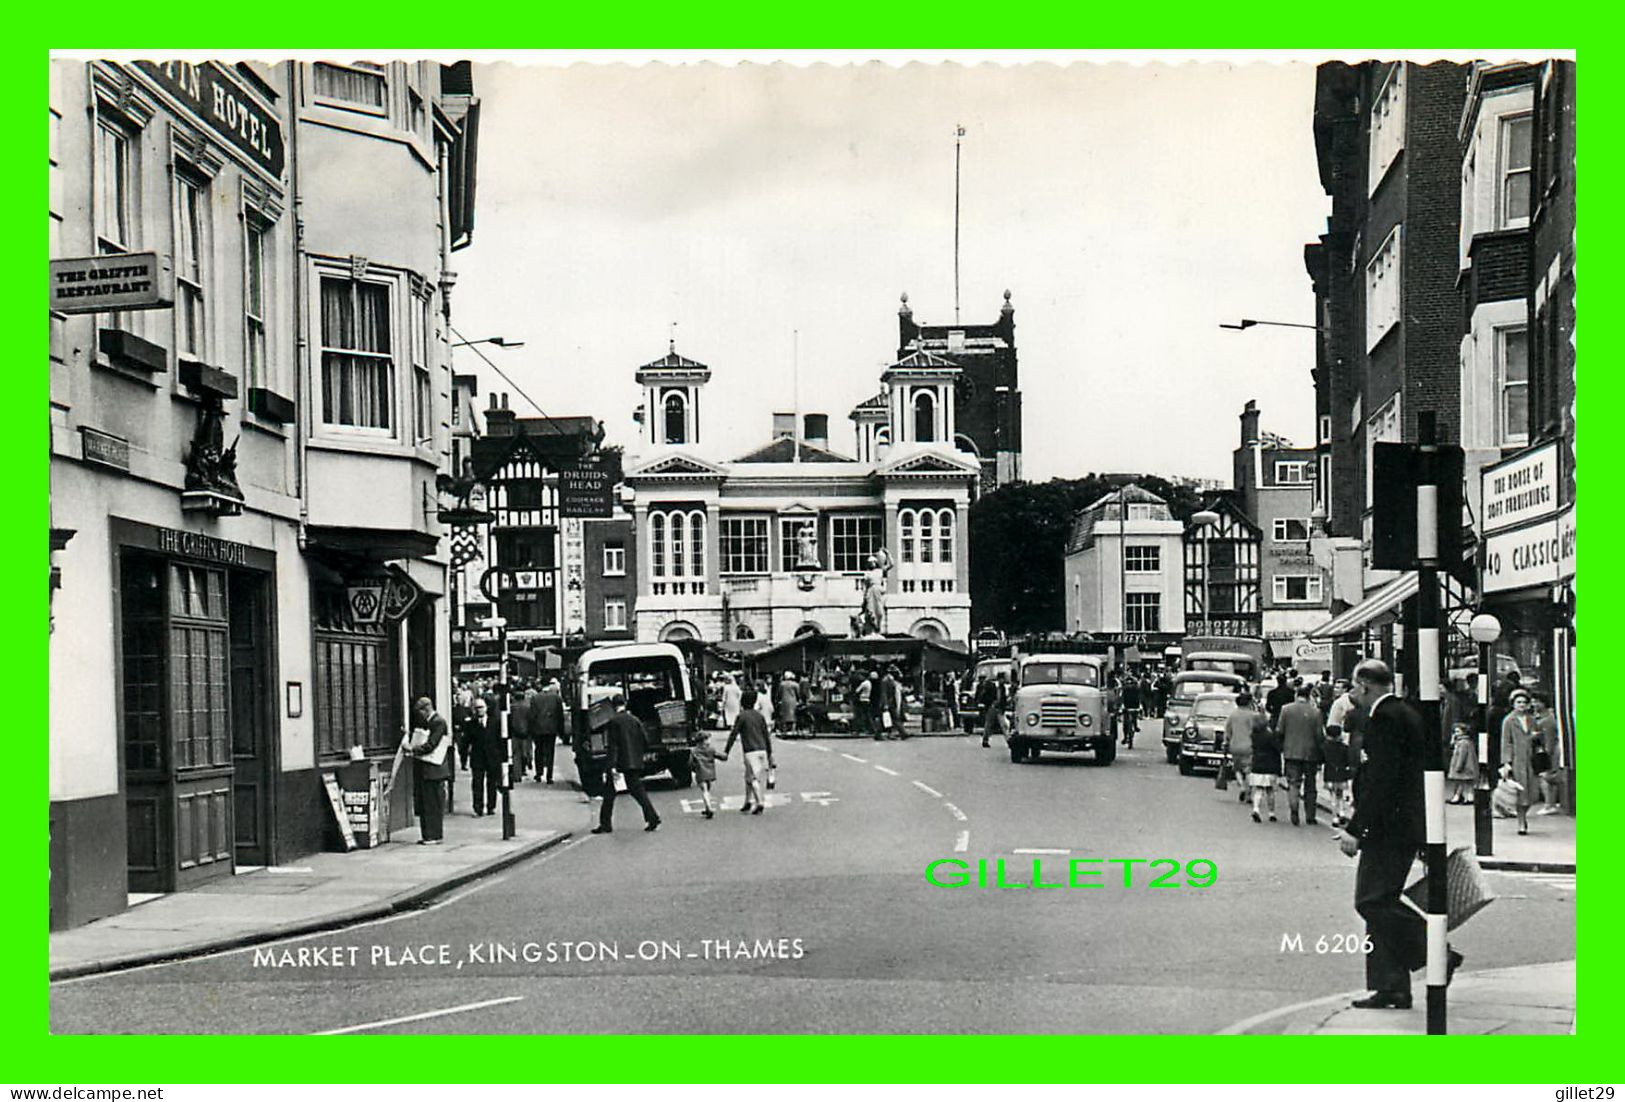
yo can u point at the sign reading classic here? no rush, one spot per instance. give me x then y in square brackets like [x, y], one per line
[127, 281]
[1539, 554]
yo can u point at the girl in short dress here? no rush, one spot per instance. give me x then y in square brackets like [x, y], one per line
[1266, 769]
[705, 758]
[1463, 770]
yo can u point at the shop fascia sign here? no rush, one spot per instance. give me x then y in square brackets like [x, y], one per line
[222, 103]
[1521, 489]
[1536, 554]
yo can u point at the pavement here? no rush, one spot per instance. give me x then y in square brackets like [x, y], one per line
[320, 891]
[1530, 999]
[1548, 847]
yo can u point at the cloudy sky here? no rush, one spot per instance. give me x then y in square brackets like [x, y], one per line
[1129, 208]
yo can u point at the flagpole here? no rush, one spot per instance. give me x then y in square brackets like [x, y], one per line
[959, 133]
[795, 383]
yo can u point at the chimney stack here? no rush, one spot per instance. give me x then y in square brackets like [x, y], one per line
[784, 426]
[1249, 423]
[816, 430]
[499, 419]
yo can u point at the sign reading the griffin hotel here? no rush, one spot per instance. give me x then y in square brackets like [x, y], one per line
[221, 102]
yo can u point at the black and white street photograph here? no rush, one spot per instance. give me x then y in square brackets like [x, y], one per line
[857, 544]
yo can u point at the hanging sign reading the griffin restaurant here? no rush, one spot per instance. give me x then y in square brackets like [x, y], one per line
[222, 103]
[127, 281]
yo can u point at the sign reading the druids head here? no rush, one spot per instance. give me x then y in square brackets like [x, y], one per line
[221, 102]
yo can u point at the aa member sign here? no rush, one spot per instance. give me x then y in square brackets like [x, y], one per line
[128, 281]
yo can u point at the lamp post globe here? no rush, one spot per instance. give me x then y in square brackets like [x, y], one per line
[1204, 517]
[1484, 628]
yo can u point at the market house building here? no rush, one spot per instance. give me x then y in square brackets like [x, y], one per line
[246, 567]
[776, 542]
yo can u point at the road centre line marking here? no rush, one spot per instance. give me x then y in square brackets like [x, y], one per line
[820, 749]
[888, 772]
[927, 789]
[427, 1014]
[956, 813]
[962, 843]
[1048, 852]
[854, 757]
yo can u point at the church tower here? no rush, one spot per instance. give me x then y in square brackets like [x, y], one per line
[671, 399]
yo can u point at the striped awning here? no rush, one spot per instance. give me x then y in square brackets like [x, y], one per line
[1353, 619]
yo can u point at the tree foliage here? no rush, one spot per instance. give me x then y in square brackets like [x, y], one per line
[1018, 537]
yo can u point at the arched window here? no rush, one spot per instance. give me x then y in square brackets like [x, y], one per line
[945, 535]
[925, 417]
[678, 532]
[696, 543]
[676, 418]
[926, 536]
[905, 534]
[657, 544]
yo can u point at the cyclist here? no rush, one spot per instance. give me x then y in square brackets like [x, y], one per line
[1132, 694]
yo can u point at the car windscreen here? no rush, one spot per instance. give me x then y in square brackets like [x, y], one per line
[1190, 690]
[1059, 673]
[1213, 709]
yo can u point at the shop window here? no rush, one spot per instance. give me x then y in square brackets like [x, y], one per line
[354, 677]
[358, 369]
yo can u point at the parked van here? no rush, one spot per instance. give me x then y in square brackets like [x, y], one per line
[1060, 704]
[653, 677]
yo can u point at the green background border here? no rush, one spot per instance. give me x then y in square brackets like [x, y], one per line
[34, 1057]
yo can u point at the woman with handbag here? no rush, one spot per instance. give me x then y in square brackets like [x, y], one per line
[1518, 755]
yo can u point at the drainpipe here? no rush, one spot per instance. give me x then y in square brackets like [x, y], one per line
[301, 313]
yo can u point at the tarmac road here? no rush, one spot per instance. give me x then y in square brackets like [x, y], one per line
[817, 917]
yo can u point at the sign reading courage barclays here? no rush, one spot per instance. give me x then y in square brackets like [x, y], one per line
[221, 102]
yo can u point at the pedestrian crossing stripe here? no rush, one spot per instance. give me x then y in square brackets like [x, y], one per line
[774, 799]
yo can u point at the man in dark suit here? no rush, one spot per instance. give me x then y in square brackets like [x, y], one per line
[431, 752]
[1387, 830]
[1303, 736]
[482, 751]
[546, 728]
[627, 745]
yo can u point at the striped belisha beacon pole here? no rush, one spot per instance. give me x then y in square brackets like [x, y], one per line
[1428, 668]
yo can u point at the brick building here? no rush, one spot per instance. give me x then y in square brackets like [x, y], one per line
[986, 392]
[1385, 277]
